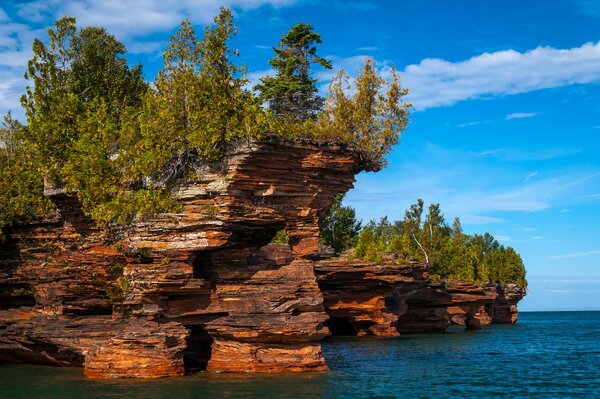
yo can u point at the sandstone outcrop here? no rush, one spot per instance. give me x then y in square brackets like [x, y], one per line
[204, 290]
[365, 298]
[182, 291]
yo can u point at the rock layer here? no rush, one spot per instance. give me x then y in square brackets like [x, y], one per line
[365, 298]
[204, 290]
[182, 291]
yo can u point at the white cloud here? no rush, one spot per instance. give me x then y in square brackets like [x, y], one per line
[474, 123]
[520, 115]
[530, 176]
[515, 154]
[437, 82]
[136, 17]
[130, 21]
[537, 238]
[575, 255]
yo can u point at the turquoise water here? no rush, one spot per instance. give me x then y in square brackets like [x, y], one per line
[545, 355]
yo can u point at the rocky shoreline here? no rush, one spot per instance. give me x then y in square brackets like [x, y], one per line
[204, 290]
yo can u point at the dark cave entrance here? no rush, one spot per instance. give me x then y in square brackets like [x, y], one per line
[198, 350]
[201, 267]
[16, 295]
[341, 326]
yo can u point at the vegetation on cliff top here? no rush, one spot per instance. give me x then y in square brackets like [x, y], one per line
[97, 129]
[447, 250]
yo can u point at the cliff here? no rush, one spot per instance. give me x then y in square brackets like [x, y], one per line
[365, 298]
[203, 289]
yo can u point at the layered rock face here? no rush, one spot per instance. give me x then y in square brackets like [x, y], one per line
[204, 290]
[364, 298]
[178, 292]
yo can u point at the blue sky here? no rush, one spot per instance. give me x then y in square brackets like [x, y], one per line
[506, 127]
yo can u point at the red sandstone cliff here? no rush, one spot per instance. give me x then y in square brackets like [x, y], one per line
[365, 298]
[202, 290]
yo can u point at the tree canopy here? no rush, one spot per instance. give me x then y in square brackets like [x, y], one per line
[339, 229]
[293, 92]
[448, 251]
[96, 129]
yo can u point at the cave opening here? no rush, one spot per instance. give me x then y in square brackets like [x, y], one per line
[201, 267]
[341, 326]
[198, 349]
[16, 295]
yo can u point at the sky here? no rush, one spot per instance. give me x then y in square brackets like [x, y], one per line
[505, 129]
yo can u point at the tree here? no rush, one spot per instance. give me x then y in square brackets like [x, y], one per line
[51, 106]
[99, 71]
[198, 103]
[339, 229]
[448, 251]
[292, 92]
[21, 184]
[373, 118]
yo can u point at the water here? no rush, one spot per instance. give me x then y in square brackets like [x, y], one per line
[545, 355]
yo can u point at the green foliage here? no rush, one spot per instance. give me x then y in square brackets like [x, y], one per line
[82, 100]
[369, 119]
[98, 130]
[198, 103]
[292, 92]
[449, 252]
[21, 183]
[281, 237]
[339, 229]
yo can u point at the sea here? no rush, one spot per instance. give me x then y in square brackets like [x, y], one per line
[544, 355]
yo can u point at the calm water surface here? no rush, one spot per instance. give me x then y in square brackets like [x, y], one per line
[545, 355]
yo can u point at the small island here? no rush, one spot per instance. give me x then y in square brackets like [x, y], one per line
[196, 223]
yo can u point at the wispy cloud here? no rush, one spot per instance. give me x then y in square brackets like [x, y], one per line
[531, 176]
[537, 238]
[474, 123]
[575, 255]
[437, 82]
[515, 154]
[520, 115]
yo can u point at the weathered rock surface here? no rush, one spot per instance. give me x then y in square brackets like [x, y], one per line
[203, 289]
[364, 298]
[182, 291]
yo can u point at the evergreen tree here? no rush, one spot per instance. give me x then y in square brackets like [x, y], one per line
[197, 105]
[451, 253]
[371, 120]
[292, 92]
[99, 71]
[339, 229]
[51, 105]
[21, 184]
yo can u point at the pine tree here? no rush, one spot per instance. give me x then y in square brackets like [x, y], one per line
[292, 92]
[21, 184]
[339, 229]
[51, 105]
[197, 105]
